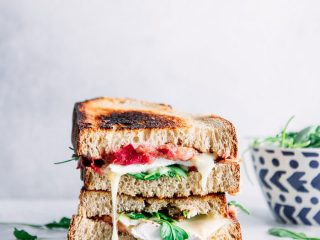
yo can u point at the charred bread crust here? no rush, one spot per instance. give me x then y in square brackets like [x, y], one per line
[105, 118]
[109, 118]
[75, 128]
[121, 120]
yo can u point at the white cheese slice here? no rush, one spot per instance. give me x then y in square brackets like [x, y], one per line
[198, 228]
[138, 168]
[203, 226]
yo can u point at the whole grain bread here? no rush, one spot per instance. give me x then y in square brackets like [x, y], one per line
[225, 177]
[106, 124]
[98, 203]
[82, 228]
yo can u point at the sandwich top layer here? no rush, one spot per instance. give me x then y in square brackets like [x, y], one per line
[105, 124]
[149, 163]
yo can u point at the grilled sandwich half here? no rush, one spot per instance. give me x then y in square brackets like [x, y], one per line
[149, 171]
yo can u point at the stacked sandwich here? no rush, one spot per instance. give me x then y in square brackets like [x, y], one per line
[152, 173]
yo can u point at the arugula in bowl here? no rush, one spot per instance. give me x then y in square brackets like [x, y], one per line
[308, 137]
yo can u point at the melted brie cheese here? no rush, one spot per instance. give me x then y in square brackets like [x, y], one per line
[198, 228]
[203, 162]
[204, 226]
[114, 178]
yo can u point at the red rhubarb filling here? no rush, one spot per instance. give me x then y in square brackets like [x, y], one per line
[129, 154]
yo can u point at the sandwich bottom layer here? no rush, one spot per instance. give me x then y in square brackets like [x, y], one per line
[82, 228]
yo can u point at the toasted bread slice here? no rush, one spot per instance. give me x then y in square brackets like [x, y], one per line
[82, 228]
[225, 177]
[106, 124]
[98, 203]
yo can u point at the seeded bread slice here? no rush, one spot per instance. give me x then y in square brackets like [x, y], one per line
[98, 203]
[106, 124]
[82, 228]
[225, 177]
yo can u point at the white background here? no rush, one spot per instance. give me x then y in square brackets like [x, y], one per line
[254, 62]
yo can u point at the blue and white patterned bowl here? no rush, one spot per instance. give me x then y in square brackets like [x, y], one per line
[290, 181]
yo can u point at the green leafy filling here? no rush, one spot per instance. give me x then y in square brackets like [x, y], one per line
[239, 206]
[168, 229]
[136, 216]
[172, 171]
[308, 137]
[281, 232]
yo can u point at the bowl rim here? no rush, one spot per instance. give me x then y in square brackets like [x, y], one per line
[317, 150]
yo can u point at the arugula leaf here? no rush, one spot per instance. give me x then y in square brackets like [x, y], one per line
[63, 223]
[161, 216]
[239, 206]
[180, 233]
[281, 232]
[140, 176]
[23, 235]
[134, 215]
[177, 171]
[74, 157]
[152, 176]
[303, 135]
[185, 213]
[284, 132]
[169, 171]
[308, 137]
[168, 230]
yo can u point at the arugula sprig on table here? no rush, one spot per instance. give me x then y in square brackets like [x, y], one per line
[168, 230]
[21, 234]
[239, 206]
[74, 157]
[308, 137]
[170, 171]
[285, 233]
[63, 223]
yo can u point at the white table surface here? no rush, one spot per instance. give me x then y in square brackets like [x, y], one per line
[42, 211]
